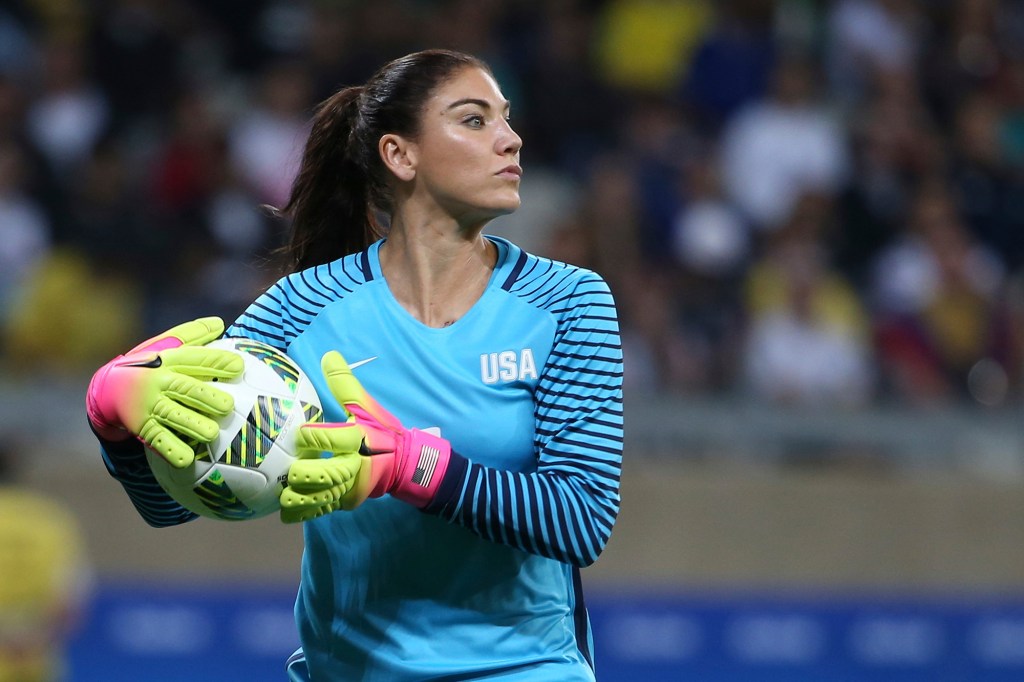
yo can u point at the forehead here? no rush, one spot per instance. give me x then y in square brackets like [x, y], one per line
[470, 83]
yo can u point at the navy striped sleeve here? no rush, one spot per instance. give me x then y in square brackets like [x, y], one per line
[565, 509]
[126, 462]
[284, 311]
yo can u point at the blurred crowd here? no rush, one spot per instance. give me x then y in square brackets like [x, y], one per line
[800, 201]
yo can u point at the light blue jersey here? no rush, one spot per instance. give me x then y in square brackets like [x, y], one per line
[527, 387]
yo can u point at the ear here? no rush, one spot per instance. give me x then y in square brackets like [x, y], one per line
[399, 156]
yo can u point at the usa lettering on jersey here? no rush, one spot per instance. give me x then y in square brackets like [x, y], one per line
[508, 365]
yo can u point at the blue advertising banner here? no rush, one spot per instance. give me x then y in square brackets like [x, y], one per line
[734, 638]
[244, 633]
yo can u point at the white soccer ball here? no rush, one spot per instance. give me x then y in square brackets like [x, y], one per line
[241, 474]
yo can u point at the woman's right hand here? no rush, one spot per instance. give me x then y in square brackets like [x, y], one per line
[159, 391]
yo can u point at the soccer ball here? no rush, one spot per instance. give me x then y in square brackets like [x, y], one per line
[240, 475]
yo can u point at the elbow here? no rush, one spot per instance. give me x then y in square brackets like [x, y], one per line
[588, 558]
[594, 528]
[158, 521]
[592, 549]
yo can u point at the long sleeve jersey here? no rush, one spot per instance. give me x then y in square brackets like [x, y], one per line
[527, 387]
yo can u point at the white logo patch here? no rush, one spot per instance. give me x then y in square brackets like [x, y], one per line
[362, 362]
[508, 365]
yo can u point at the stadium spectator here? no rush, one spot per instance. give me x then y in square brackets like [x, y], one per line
[712, 247]
[987, 187]
[136, 54]
[202, 204]
[656, 143]
[669, 31]
[35, 177]
[808, 341]
[935, 301]
[909, 90]
[868, 40]
[784, 146]
[18, 57]
[732, 65]
[47, 577]
[25, 232]
[266, 141]
[569, 114]
[70, 115]
[895, 140]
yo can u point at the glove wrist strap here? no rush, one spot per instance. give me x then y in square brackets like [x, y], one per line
[424, 463]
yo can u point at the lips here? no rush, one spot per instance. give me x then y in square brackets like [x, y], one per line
[512, 170]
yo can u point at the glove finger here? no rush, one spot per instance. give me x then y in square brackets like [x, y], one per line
[201, 396]
[347, 390]
[297, 506]
[312, 476]
[167, 444]
[292, 498]
[204, 363]
[197, 332]
[314, 439]
[184, 420]
[300, 514]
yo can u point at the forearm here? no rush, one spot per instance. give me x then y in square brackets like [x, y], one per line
[126, 462]
[552, 514]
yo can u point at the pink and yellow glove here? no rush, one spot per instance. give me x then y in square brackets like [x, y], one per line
[319, 485]
[158, 391]
[374, 455]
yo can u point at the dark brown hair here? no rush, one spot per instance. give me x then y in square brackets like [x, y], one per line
[342, 183]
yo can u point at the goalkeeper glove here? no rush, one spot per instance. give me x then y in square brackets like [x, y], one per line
[319, 485]
[158, 390]
[374, 455]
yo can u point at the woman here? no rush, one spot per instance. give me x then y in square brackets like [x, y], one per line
[465, 567]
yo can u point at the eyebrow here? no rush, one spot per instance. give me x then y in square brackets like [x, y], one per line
[483, 104]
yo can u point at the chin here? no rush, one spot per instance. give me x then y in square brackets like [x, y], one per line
[500, 208]
[484, 212]
[504, 211]
[510, 204]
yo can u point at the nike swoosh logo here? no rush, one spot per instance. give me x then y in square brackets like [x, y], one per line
[154, 363]
[362, 362]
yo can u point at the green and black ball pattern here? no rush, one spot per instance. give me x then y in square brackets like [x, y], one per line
[249, 446]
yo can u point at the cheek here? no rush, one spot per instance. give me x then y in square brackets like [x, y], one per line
[451, 141]
[454, 161]
[458, 148]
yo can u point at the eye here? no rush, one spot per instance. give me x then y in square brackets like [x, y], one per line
[474, 121]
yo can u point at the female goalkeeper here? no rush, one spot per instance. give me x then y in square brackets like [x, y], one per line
[450, 556]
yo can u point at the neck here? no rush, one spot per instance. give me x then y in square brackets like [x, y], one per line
[436, 276]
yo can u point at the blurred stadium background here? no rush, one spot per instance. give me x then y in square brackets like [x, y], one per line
[811, 214]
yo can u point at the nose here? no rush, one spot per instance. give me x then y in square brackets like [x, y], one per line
[509, 140]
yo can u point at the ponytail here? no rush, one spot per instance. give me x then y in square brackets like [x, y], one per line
[329, 206]
[342, 184]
